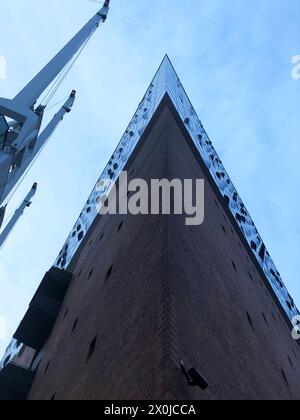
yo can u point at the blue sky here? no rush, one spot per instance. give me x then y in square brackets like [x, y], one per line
[234, 59]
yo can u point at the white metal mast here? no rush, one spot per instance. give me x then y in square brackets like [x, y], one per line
[21, 119]
[18, 213]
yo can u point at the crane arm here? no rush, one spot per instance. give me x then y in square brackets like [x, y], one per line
[29, 95]
[51, 127]
[18, 213]
[17, 138]
[31, 154]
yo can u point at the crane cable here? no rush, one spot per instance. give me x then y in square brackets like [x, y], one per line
[47, 98]
[62, 76]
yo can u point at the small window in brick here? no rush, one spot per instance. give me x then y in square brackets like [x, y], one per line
[120, 226]
[92, 348]
[250, 320]
[234, 265]
[284, 376]
[53, 397]
[291, 363]
[75, 325]
[109, 273]
[90, 274]
[47, 367]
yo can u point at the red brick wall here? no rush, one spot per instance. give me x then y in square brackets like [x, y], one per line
[173, 293]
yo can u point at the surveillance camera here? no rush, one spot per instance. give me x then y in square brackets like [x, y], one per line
[197, 379]
[194, 378]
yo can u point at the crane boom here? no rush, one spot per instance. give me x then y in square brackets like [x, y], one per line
[20, 138]
[18, 213]
[31, 153]
[29, 95]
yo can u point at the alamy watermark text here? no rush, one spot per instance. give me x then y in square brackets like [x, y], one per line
[157, 196]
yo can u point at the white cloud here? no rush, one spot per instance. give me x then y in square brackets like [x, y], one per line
[296, 68]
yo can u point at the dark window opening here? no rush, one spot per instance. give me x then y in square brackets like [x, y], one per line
[120, 226]
[284, 376]
[47, 367]
[108, 274]
[75, 325]
[224, 230]
[92, 348]
[91, 273]
[291, 363]
[250, 320]
[101, 237]
[233, 265]
[53, 397]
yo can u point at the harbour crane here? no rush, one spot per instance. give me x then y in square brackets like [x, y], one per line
[18, 213]
[21, 139]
